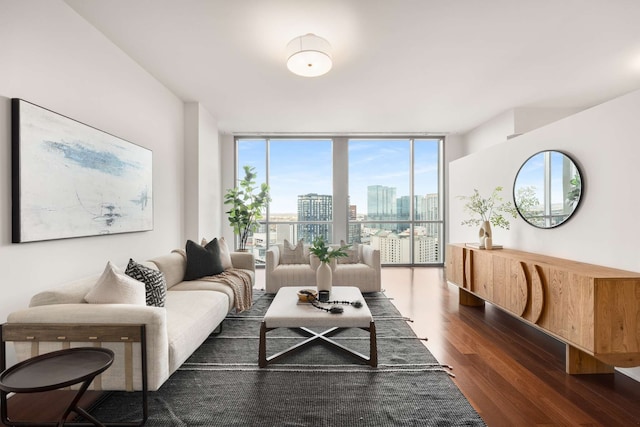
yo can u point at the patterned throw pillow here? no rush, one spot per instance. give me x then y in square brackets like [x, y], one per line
[114, 287]
[154, 282]
[352, 254]
[202, 261]
[293, 254]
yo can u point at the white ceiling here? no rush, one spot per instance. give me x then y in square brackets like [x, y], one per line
[399, 66]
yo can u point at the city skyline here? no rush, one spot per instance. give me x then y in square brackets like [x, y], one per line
[304, 166]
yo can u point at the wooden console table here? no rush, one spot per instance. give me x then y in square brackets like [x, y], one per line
[594, 310]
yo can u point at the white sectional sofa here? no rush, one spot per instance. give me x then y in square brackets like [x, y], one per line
[361, 270]
[193, 310]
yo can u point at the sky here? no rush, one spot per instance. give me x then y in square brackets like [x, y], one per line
[304, 166]
[531, 174]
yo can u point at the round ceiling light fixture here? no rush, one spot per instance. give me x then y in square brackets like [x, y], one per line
[309, 56]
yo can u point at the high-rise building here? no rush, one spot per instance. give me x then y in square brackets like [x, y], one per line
[432, 214]
[403, 208]
[353, 212]
[426, 249]
[314, 207]
[382, 205]
[355, 228]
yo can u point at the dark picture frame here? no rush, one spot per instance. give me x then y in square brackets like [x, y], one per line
[72, 180]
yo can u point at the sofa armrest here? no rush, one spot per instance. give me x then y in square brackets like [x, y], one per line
[243, 260]
[154, 319]
[371, 256]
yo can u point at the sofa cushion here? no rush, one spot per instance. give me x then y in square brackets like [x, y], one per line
[173, 266]
[206, 285]
[115, 287]
[202, 261]
[191, 317]
[154, 282]
[293, 254]
[361, 275]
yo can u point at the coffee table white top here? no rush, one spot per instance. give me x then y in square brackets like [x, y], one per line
[287, 312]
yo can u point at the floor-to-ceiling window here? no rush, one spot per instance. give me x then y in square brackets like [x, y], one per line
[384, 192]
[394, 192]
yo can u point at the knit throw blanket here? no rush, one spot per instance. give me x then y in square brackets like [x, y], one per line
[238, 280]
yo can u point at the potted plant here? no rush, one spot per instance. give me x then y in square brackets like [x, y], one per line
[486, 212]
[325, 253]
[248, 201]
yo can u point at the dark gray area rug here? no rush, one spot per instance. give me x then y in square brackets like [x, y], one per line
[221, 384]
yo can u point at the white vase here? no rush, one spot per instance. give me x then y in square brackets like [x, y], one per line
[485, 231]
[488, 243]
[324, 277]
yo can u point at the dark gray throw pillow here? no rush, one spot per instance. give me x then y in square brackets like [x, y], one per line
[154, 282]
[203, 261]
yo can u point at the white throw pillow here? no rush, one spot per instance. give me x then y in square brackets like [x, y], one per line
[225, 254]
[115, 287]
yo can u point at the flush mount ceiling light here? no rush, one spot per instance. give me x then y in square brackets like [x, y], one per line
[309, 56]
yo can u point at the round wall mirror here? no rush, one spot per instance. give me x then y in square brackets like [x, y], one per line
[547, 189]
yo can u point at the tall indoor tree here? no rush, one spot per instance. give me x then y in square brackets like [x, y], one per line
[248, 201]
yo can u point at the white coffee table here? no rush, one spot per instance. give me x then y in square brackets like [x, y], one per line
[287, 312]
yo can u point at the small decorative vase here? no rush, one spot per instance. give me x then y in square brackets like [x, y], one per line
[324, 277]
[484, 233]
[488, 243]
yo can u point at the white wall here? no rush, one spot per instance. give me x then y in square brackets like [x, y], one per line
[489, 133]
[603, 140]
[510, 124]
[52, 57]
[528, 118]
[203, 199]
[227, 160]
[453, 149]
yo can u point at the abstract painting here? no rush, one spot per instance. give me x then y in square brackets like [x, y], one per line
[72, 180]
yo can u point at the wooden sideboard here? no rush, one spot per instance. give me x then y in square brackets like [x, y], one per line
[594, 310]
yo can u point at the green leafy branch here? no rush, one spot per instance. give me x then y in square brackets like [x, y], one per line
[324, 252]
[492, 209]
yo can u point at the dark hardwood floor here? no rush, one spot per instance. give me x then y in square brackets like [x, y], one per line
[511, 373]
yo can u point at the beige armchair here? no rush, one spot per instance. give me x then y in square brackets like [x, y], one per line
[362, 271]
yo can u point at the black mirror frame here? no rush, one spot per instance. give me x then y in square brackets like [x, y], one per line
[582, 186]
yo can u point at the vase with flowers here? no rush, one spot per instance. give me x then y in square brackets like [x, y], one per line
[487, 212]
[325, 254]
